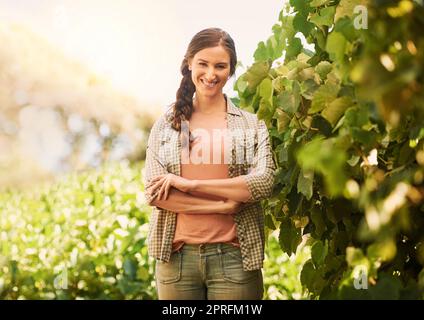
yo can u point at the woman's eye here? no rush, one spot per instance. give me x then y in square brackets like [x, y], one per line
[204, 64]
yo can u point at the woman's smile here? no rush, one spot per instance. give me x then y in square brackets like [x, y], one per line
[209, 84]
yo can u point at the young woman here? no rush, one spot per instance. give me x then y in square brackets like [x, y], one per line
[208, 164]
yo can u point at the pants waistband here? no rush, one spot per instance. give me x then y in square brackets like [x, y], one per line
[208, 248]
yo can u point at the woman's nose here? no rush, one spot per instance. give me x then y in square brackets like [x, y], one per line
[210, 75]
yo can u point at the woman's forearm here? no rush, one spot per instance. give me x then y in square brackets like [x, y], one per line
[181, 202]
[232, 188]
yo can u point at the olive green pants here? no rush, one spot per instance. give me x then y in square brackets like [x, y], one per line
[207, 272]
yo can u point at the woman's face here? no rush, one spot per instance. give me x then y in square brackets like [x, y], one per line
[210, 69]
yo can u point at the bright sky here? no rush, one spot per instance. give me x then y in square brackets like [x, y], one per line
[139, 44]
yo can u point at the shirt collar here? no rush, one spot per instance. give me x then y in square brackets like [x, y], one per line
[231, 108]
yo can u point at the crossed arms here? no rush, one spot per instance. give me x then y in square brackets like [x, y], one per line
[252, 187]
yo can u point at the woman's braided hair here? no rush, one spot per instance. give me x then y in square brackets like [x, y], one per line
[207, 38]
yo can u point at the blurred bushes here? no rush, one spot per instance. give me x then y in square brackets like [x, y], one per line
[282, 272]
[86, 233]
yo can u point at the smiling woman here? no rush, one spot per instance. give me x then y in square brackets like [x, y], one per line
[206, 229]
[212, 75]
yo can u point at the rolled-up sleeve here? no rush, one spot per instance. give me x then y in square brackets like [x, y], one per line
[153, 166]
[260, 180]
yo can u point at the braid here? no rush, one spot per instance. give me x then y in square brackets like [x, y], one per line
[183, 106]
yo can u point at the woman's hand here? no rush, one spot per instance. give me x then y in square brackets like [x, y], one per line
[164, 182]
[231, 206]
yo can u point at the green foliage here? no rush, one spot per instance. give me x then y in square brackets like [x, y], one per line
[346, 123]
[82, 238]
[282, 271]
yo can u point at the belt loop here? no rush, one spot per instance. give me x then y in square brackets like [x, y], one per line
[219, 248]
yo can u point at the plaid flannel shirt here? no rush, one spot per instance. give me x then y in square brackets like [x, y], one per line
[163, 156]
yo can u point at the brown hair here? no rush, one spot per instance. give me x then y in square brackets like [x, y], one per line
[207, 38]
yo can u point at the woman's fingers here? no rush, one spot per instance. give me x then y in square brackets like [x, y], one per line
[156, 185]
[158, 177]
[164, 183]
[162, 189]
[155, 179]
[168, 185]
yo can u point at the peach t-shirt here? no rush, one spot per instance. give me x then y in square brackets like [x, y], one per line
[213, 227]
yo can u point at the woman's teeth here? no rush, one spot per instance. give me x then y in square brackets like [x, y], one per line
[209, 84]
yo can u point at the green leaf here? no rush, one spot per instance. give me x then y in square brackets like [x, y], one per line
[282, 153]
[305, 183]
[356, 116]
[278, 85]
[383, 250]
[323, 68]
[323, 97]
[311, 278]
[308, 88]
[266, 90]
[318, 221]
[307, 275]
[269, 222]
[288, 101]
[240, 85]
[336, 46]
[262, 52]
[319, 251]
[294, 198]
[318, 3]
[255, 74]
[287, 30]
[301, 6]
[301, 23]
[324, 156]
[324, 17]
[319, 38]
[346, 27]
[346, 8]
[355, 257]
[236, 101]
[321, 124]
[282, 120]
[367, 138]
[274, 46]
[264, 112]
[294, 48]
[290, 237]
[336, 109]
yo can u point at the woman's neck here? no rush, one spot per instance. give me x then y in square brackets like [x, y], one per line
[210, 105]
